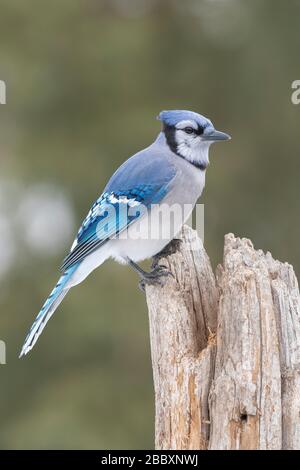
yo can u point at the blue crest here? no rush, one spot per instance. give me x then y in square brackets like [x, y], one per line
[173, 117]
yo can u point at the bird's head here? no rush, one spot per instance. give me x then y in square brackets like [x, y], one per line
[190, 135]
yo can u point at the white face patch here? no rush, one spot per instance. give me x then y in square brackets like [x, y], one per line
[191, 146]
[187, 123]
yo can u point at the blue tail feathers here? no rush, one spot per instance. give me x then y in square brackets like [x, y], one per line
[49, 307]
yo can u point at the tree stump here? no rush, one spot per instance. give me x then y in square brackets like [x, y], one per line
[225, 350]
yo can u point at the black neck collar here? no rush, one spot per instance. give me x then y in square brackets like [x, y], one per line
[199, 165]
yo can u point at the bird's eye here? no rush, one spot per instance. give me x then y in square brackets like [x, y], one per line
[189, 130]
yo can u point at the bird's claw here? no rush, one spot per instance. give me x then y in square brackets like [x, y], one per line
[157, 276]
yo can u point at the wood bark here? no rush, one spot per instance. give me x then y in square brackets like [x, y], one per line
[225, 349]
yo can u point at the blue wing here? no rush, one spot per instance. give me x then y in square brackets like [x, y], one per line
[141, 181]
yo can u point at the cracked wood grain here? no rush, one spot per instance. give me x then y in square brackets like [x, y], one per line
[182, 317]
[225, 350]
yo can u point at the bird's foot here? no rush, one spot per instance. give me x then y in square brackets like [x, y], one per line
[157, 276]
[168, 250]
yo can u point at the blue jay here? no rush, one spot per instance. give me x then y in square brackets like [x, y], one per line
[171, 170]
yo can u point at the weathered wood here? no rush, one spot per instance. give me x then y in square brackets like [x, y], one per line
[182, 317]
[286, 298]
[235, 383]
[245, 400]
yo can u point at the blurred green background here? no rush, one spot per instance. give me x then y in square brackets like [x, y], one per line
[85, 81]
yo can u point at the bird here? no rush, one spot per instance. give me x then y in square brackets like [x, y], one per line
[170, 171]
